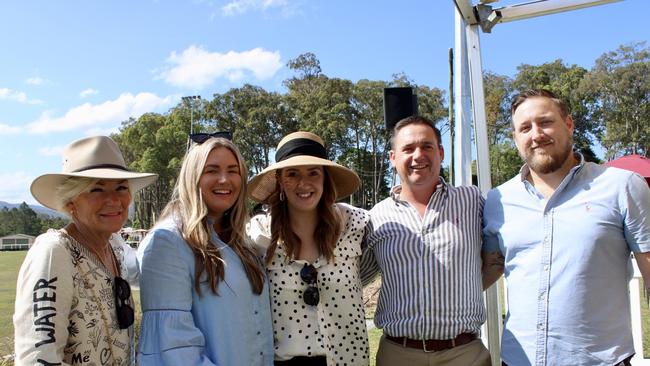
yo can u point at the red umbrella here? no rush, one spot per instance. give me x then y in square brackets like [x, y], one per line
[636, 163]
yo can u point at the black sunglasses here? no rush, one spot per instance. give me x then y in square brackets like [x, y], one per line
[125, 315]
[202, 137]
[308, 274]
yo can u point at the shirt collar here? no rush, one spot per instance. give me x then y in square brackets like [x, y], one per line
[524, 171]
[441, 188]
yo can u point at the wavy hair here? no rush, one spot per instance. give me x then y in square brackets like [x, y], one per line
[327, 230]
[190, 212]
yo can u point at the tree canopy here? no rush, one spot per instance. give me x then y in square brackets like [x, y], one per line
[610, 105]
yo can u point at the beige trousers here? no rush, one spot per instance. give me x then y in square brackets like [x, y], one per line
[471, 354]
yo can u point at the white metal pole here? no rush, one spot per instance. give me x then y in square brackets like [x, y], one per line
[492, 303]
[462, 109]
[544, 7]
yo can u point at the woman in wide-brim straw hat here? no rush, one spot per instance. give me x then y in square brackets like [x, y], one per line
[73, 300]
[312, 249]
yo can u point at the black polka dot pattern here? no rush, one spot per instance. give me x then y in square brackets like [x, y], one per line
[336, 326]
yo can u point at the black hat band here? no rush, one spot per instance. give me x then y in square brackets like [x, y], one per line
[300, 146]
[100, 166]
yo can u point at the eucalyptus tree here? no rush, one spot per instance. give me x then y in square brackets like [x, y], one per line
[565, 82]
[154, 143]
[257, 118]
[320, 104]
[368, 133]
[504, 159]
[619, 91]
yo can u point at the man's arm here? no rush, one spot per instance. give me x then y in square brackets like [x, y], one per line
[643, 261]
[492, 267]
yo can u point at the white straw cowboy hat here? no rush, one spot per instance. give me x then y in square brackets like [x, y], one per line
[91, 157]
[300, 149]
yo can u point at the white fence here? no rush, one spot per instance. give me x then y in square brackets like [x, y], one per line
[636, 294]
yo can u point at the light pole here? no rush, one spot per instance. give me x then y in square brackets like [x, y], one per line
[190, 100]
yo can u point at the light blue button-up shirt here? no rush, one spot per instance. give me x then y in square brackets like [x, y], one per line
[181, 327]
[567, 264]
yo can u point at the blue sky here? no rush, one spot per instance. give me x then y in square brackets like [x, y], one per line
[76, 68]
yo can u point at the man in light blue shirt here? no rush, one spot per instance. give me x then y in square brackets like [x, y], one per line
[562, 232]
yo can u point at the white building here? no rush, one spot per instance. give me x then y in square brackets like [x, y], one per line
[16, 242]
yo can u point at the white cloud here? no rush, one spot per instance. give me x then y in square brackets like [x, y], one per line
[197, 68]
[88, 92]
[110, 113]
[15, 187]
[17, 96]
[7, 130]
[102, 131]
[51, 151]
[35, 81]
[237, 7]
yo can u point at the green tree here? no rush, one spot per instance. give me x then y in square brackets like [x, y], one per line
[51, 222]
[19, 220]
[257, 118]
[368, 154]
[154, 143]
[565, 82]
[320, 104]
[504, 158]
[619, 91]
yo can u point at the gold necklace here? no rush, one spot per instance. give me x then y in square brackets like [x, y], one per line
[112, 267]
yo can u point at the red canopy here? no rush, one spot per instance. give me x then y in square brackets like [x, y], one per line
[635, 163]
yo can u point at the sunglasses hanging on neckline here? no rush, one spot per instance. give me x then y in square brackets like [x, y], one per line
[309, 275]
[125, 314]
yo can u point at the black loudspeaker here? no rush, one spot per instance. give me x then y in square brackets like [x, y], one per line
[399, 103]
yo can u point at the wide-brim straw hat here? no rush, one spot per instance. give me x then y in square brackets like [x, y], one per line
[91, 157]
[302, 149]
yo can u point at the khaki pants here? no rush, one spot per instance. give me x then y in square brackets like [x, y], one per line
[470, 354]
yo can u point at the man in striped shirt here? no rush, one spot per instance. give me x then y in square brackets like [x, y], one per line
[425, 239]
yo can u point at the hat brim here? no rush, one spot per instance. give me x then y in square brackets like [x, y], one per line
[262, 185]
[44, 187]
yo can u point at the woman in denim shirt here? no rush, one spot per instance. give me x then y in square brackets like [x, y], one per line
[205, 298]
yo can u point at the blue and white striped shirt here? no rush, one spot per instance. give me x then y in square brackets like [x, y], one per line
[431, 266]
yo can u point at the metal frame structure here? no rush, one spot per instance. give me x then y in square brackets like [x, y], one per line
[470, 108]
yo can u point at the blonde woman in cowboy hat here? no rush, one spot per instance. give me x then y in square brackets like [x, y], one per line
[205, 296]
[312, 247]
[73, 301]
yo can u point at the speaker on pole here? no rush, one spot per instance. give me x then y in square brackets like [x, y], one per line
[399, 103]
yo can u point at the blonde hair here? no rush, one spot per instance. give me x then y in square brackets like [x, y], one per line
[190, 212]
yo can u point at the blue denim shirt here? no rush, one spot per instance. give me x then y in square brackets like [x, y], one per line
[567, 264]
[181, 327]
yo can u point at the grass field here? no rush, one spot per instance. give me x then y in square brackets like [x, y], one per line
[10, 263]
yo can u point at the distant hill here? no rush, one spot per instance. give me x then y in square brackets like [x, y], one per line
[37, 208]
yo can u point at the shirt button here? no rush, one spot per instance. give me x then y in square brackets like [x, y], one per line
[541, 296]
[540, 326]
[546, 267]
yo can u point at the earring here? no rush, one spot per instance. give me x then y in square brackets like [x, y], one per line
[281, 195]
